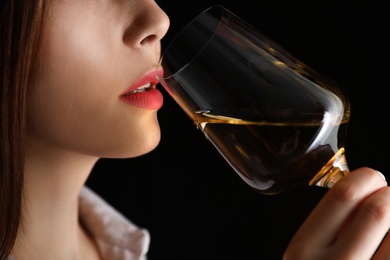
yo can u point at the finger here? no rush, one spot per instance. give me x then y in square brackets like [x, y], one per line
[328, 218]
[369, 225]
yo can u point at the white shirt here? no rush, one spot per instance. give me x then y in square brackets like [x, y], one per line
[116, 236]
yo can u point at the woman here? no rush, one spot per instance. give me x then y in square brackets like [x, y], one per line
[77, 85]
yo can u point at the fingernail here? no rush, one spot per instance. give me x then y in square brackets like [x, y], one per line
[381, 174]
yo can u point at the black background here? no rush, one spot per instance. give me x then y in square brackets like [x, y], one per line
[184, 193]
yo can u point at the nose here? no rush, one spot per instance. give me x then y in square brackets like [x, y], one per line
[149, 24]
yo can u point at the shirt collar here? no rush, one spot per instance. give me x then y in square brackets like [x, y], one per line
[116, 236]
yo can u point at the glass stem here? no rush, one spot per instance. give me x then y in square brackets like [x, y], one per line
[332, 172]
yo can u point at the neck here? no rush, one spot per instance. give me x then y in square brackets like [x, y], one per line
[50, 225]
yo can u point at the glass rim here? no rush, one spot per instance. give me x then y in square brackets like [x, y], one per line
[222, 10]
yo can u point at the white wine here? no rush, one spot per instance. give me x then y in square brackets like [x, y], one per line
[274, 157]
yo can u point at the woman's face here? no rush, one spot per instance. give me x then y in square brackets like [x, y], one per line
[93, 52]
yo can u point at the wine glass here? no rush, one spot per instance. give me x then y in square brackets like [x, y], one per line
[278, 123]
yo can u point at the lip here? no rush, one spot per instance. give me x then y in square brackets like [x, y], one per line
[150, 98]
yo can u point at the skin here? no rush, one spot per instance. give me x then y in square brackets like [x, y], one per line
[93, 51]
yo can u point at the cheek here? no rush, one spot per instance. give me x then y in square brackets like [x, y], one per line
[79, 110]
[101, 129]
[49, 111]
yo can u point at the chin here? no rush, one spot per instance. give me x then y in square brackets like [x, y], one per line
[146, 147]
[143, 145]
[131, 139]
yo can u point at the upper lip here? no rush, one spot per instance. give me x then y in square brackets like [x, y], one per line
[148, 80]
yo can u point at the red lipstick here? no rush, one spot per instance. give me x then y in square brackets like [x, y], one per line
[143, 93]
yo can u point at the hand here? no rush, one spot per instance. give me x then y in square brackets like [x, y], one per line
[350, 222]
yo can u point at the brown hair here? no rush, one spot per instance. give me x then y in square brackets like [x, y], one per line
[21, 26]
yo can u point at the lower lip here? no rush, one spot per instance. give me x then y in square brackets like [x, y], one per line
[151, 99]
